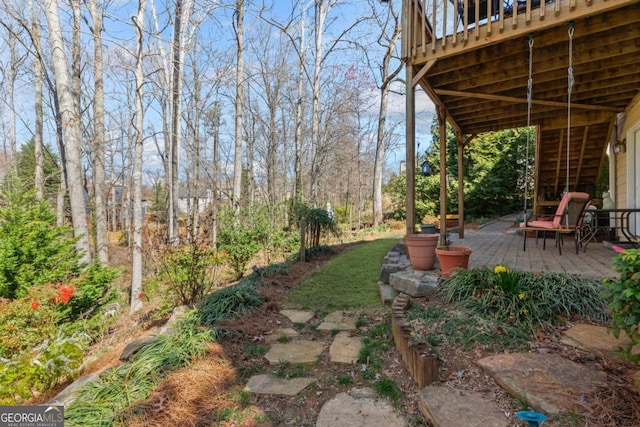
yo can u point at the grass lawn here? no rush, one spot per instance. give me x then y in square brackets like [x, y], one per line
[347, 282]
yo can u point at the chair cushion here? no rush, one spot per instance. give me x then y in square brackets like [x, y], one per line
[548, 225]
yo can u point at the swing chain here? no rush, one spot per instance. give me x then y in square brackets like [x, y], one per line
[570, 71]
[529, 102]
[530, 80]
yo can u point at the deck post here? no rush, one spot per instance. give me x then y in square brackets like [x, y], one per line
[410, 150]
[460, 143]
[442, 121]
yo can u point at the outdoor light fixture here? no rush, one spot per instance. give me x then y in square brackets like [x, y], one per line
[425, 169]
[620, 145]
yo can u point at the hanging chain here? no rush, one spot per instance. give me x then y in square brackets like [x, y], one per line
[570, 83]
[529, 102]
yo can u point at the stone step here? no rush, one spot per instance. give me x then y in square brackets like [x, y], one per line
[338, 321]
[359, 408]
[271, 385]
[297, 352]
[345, 348]
[444, 407]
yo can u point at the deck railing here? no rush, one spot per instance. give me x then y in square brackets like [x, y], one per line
[434, 28]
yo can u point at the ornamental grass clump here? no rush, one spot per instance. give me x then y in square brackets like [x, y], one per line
[525, 299]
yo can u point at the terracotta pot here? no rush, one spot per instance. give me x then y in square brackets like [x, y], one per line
[422, 250]
[452, 257]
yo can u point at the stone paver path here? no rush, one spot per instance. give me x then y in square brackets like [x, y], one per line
[302, 351]
[282, 332]
[268, 384]
[548, 382]
[338, 321]
[444, 406]
[345, 348]
[360, 408]
[297, 316]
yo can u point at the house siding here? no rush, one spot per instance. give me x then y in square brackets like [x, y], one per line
[631, 121]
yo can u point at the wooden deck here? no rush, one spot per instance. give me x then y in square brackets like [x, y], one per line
[494, 245]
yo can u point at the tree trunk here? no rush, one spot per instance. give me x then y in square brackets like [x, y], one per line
[70, 116]
[321, 10]
[136, 250]
[237, 165]
[98, 135]
[38, 90]
[387, 77]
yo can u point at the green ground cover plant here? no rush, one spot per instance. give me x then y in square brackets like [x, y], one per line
[344, 282]
[434, 327]
[526, 300]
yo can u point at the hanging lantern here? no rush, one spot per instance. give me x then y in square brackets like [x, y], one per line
[425, 169]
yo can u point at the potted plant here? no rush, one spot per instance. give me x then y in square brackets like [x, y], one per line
[452, 257]
[422, 250]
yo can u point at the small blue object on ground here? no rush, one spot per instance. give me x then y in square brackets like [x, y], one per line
[532, 417]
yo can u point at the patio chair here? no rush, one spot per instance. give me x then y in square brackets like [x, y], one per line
[566, 220]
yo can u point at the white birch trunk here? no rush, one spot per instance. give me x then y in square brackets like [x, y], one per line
[136, 249]
[99, 136]
[70, 121]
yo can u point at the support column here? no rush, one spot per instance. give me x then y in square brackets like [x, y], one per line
[410, 150]
[442, 121]
[460, 143]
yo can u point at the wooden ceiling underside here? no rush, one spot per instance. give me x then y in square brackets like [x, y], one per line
[486, 89]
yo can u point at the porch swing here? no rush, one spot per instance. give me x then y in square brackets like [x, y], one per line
[568, 216]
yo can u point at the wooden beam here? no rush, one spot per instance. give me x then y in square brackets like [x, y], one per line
[420, 74]
[491, 97]
[559, 157]
[585, 134]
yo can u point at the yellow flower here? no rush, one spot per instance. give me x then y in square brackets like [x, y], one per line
[500, 269]
[521, 297]
[524, 311]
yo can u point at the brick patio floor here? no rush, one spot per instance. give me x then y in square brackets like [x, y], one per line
[494, 244]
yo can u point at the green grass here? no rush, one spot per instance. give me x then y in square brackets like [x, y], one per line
[347, 282]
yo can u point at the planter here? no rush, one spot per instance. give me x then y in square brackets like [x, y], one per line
[428, 228]
[452, 257]
[422, 250]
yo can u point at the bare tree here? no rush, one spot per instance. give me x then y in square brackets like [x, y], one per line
[70, 122]
[98, 136]
[136, 250]
[390, 26]
[237, 165]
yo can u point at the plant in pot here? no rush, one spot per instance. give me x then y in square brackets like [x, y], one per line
[429, 225]
[422, 250]
[451, 257]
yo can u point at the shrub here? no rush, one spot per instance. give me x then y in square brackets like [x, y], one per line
[33, 372]
[189, 272]
[26, 322]
[623, 295]
[242, 237]
[33, 251]
[83, 295]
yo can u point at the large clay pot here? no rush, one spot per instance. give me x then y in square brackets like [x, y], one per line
[422, 250]
[452, 257]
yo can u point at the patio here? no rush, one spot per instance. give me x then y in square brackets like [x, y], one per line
[493, 244]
